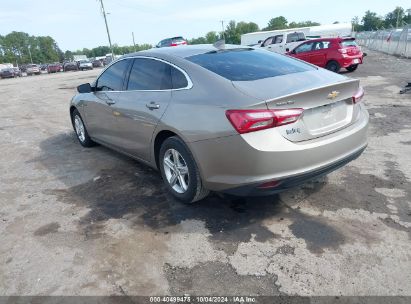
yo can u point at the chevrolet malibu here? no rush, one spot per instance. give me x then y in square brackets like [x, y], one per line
[236, 120]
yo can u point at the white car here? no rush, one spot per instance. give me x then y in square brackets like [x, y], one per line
[85, 65]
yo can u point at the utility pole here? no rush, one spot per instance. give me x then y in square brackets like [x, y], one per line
[222, 27]
[108, 32]
[31, 59]
[134, 43]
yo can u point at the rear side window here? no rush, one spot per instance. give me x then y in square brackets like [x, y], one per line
[347, 43]
[149, 74]
[319, 45]
[294, 37]
[112, 79]
[177, 39]
[178, 79]
[248, 64]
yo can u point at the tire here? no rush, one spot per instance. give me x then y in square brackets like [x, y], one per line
[80, 130]
[333, 66]
[352, 68]
[188, 187]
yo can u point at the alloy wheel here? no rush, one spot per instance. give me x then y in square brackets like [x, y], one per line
[176, 170]
[79, 127]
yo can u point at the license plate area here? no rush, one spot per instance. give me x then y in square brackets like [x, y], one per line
[326, 118]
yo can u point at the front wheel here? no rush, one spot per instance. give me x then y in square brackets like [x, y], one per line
[81, 131]
[333, 66]
[352, 68]
[180, 172]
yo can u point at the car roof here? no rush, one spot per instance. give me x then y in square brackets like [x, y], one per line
[183, 51]
[330, 39]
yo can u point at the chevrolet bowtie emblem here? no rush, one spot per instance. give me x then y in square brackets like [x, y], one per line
[333, 95]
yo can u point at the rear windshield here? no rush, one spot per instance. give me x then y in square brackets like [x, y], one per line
[346, 43]
[177, 39]
[248, 64]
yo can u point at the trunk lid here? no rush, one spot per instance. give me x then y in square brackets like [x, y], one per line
[326, 98]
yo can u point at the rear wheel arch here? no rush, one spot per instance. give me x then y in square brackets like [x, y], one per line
[158, 141]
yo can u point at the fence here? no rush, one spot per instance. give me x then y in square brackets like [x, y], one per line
[394, 42]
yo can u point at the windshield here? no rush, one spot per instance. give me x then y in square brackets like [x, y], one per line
[248, 64]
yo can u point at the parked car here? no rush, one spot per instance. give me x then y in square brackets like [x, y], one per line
[43, 67]
[54, 68]
[17, 72]
[175, 41]
[240, 120]
[70, 66]
[8, 73]
[282, 42]
[330, 53]
[97, 64]
[85, 65]
[32, 69]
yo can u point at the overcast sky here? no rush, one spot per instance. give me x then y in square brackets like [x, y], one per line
[75, 24]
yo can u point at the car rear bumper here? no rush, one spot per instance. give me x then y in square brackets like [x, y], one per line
[293, 181]
[241, 163]
[351, 60]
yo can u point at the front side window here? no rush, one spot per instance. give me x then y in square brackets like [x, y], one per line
[112, 79]
[306, 47]
[149, 74]
[268, 41]
[278, 39]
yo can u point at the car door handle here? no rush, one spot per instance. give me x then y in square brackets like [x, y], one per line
[107, 100]
[153, 106]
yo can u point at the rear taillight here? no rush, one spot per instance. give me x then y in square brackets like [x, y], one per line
[173, 44]
[342, 51]
[358, 96]
[245, 121]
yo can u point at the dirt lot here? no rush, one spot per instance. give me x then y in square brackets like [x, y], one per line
[77, 221]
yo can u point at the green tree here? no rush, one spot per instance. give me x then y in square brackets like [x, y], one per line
[356, 26]
[303, 24]
[371, 21]
[277, 23]
[211, 37]
[395, 18]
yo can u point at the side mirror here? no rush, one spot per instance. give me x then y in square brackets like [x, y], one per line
[259, 41]
[287, 49]
[364, 54]
[84, 88]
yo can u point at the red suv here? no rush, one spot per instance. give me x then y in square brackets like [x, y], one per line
[330, 53]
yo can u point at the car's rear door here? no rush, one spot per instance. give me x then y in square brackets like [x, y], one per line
[318, 55]
[142, 104]
[100, 114]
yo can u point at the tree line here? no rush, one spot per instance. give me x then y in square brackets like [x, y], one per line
[371, 21]
[21, 48]
[233, 31]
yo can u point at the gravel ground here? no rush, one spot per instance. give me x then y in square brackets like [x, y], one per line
[77, 221]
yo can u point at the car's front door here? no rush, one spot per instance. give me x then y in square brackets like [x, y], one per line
[303, 51]
[98, 108]
[142, 104]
